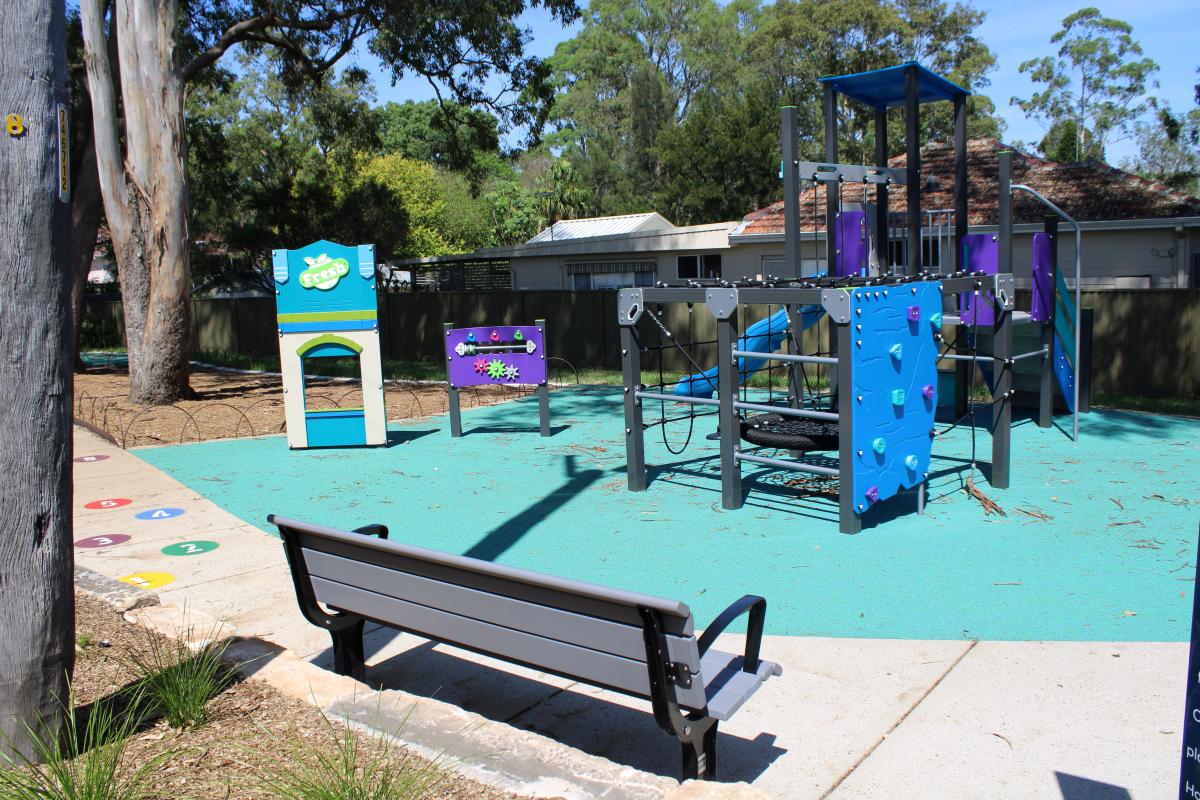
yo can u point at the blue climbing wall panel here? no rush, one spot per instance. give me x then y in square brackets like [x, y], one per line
[894, 370]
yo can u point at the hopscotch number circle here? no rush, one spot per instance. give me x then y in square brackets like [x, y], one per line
[147, 580]
[194, 548]
[111, 502]
[103, 541]
[90, 459]
[159, 513]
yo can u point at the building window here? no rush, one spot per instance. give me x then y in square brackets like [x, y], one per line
[611, 280]
[694, 267]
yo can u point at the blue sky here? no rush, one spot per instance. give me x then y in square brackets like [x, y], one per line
[1015, 31]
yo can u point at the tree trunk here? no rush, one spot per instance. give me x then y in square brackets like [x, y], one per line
[85, 217]
[144, 189]
[37, 637]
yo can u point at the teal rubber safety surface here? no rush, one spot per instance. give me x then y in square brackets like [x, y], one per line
[1097, 545]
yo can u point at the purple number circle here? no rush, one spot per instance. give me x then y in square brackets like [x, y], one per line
[102, 541]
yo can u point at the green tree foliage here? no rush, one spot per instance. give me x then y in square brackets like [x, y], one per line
[673, 105]
[1169, 149]
[1098, 79]
[448, 135]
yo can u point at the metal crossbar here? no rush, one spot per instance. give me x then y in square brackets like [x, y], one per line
[784, 357]
[784, 410]
[785, 464]
[676, 398]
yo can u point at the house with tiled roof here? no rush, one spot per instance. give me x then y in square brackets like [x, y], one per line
[1136, 233]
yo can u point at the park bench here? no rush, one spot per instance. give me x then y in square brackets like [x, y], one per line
[633, 643]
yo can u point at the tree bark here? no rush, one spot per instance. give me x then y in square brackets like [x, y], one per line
[145, 187]
[37, 635]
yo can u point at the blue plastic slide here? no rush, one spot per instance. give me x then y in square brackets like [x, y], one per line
[764, 336]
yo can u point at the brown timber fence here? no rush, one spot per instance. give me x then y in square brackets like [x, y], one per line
[1145, 340]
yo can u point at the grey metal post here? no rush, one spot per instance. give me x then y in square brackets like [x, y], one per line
[543, 390]
[635, 445]
[452, 392]
[831, 157]
[848, 520]
[791, 192]
[963, 370]
[881, 192]
[1046, 389]
[912, 141]
[960, 176]
[730, 424]
[1002, 337]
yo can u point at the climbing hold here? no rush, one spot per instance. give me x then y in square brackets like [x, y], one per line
[928, 391]
[911, 463]
[481, 365]
[935, 319]
[470, 336]
[896, 351]
[879, 445]
[897, 397]
[495, 336]
[495, 369]
[872, 494]
[914, 313]
[511, 373]
[517, 335]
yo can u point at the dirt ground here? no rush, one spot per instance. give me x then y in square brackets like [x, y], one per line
[230, 404]
[252, 725]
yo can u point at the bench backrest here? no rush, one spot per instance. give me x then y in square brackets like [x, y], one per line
[579, 630]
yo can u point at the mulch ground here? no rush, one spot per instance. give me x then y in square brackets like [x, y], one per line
[230, 404]
[252, 726]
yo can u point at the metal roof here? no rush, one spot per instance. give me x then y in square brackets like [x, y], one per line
[601, 226]
[884, 88]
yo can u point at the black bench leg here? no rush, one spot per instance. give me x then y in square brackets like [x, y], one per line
[348, 656]
[700, 751]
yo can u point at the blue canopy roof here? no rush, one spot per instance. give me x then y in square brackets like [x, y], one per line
[884, 88]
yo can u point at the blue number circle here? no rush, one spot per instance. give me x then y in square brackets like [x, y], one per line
[159, 513]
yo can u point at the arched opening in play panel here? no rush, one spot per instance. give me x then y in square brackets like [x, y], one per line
[334, 415]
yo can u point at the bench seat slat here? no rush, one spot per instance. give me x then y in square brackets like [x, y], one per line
[592, 666]
[543, 621]
[575, 596]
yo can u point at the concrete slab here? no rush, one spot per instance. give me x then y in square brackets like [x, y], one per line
[1054, 720]
[796, 737]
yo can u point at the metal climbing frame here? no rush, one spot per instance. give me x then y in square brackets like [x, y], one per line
[723, 302]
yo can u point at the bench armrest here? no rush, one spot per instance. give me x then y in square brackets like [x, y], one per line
[757, 606]
[374, 529]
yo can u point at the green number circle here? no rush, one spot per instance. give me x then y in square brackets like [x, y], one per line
[189, 548]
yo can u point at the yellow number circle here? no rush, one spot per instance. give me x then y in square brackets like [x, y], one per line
[14, 124]
[148, 580]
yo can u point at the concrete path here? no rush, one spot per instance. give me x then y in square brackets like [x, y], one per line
[851, 718]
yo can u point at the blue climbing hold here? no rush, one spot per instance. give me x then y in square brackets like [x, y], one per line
[935, 319]
[897, 397]
[879, 445]
[911, 463]
[896, 351]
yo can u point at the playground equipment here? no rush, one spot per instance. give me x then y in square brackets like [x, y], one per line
[326, 308]
[491, 355]
[884, 304]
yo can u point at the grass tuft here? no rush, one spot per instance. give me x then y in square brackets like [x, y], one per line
[82, 760]
[350, 766]
[178, 682]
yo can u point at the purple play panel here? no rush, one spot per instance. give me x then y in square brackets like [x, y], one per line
[496, 354]
[1043, 262]
[981, 253]
[851, 238]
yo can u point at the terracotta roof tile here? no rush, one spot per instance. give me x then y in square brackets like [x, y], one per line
[1087, 190]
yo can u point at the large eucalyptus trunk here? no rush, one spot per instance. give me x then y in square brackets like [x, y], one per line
[37, 638]
[85, 215]
[145, 187]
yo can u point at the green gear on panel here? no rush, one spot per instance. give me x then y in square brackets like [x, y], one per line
[495, 369]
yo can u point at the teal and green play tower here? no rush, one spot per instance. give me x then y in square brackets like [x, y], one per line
[325, 301]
